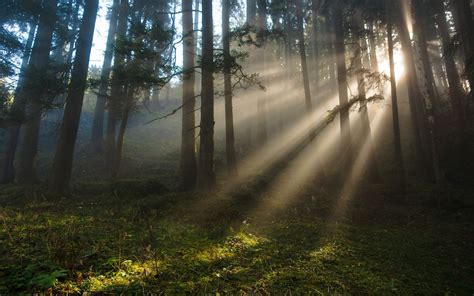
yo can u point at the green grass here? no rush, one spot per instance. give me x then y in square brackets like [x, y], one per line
[189, 243]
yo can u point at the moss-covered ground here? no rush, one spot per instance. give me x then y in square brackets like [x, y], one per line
[150, 240]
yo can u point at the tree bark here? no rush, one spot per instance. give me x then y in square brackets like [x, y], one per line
[465, 27]
[315, 42]
[188, 167]
[229, 114]
[425, 73]
[374, 63]
[372, 169]
[302, 49]
[97, 137]
[346, 146]
[415, 98]
[400, 168]
[206, 176]
[261, 100]
[37, 69]
[122, 129]
[117, 90]
[13, 132]
[251, 12]
[455, 89]
[63, 159]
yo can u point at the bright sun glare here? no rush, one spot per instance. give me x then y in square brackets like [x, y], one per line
[399, 65]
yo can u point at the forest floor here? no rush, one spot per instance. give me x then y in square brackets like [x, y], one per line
[141, 238]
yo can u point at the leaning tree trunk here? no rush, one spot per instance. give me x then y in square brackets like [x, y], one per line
[188, 167]
[37, 69]
[98, 123]
[345, 146]
[229, 114]
[117, 90]
[206, 176]
[13, 132]
[400, 168]
[63, 159]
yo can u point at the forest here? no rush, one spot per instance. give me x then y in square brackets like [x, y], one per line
[249, 147]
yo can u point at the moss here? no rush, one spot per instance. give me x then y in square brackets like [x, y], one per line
[158, 244]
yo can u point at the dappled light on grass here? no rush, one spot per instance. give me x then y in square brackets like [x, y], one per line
[145, 246]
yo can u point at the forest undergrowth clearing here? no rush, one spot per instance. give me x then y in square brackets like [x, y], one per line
[411, 243]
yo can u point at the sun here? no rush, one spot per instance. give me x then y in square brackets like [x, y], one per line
[399, 64]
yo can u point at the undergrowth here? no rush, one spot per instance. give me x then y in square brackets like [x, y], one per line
[137, 237]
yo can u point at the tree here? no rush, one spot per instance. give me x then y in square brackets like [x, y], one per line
[302, 50]
[63, 159]
[315, 40]
[8, 171]
[251, 12]
[35, 92]
[359, 42]
[229, 115]
[422, 143]
[465, 28]
[342, 85]
[188, 167]
[117, 89]
[455, 89]
[206, 176]
[261, 100]
[374, 63]
[400, 168]
[98, 123]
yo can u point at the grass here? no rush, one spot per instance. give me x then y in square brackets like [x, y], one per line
[125, 242]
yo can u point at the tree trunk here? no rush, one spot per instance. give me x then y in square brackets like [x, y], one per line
[455, 89]
[206, 176]
[37, 69]
[261, 100]
[251, 12]
[123, 127]
[372, 169]
[400, 168]
[117, 90]
[13, 132]
[420, 28]
[346, 150]
[374, 63]
[302, 49]
[425, 73]
[415, 98]
[188, 167]
[75, 20]
[63, 159]
[465, 27]
[229, 115]
[98, 123]
[315, 39]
